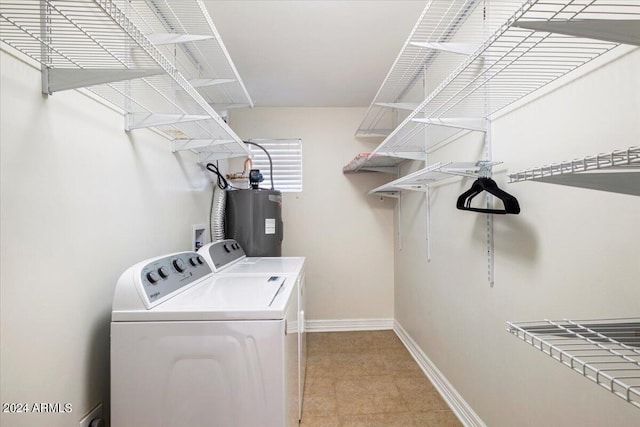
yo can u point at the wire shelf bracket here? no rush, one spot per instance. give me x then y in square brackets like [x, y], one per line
[58, 79]
[142, 120]
[624, 31]
[160, 39]
[605, 351]
[459, 48]
[409, 106]
[474, 124]
[190, 144]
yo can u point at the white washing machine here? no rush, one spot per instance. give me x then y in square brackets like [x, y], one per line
[226, 257]
[194, 348]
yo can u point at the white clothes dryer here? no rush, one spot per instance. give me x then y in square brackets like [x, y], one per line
[193, 348]
[226, 257]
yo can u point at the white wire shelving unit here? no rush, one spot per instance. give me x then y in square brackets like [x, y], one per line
[541, 42]
[184, 32]
[94, 44]
[446, 33]
[436, 43]
[419, 180]
[617, 171]
[605, 351]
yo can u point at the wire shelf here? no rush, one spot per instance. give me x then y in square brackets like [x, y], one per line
[184, 31]
[419, 180]
[93, 44]
[362, 163]
[436, 43]
[616, 171]
[606, 351]
[514, 62]
[621, 159]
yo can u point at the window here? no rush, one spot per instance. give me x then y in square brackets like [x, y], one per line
[286, 155]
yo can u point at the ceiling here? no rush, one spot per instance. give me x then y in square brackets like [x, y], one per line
[314, 53]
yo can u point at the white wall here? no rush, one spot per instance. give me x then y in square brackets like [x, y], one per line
[81, 201]
[346, 235]
[571, 253]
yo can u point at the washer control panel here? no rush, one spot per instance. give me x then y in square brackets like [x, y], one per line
[165, 276]
[225, 252]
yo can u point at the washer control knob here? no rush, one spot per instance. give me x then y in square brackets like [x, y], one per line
[179, 265]
[193, 261]
[152, 277]
[226, 248]
[163, 272]
[199, 259]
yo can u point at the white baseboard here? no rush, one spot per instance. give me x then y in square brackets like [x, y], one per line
[458, 405]
[348, 325]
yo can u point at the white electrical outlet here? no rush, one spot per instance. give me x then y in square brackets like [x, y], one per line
[95, 415]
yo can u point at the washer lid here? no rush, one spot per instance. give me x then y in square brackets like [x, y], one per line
[263, 297]
[267, 265]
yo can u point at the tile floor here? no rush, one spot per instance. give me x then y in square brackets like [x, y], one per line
[368, 379]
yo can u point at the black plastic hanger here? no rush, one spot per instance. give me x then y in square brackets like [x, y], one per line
[511, 205]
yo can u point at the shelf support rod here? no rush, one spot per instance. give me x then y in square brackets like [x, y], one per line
[45, 36]
[486, 165]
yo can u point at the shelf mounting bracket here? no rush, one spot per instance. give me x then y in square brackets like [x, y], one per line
[58, 79]
[409, 106]
[147, 120]
[459, 48]
[612, 30]
[479, 125]
[190, 144]
[159, 39]
[210, 82]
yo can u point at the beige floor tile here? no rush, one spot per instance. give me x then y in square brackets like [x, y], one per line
[320, 359]
[386, 339]
[413, 384]
[368, 379]
[398, 419]
[436, 419]
[320, 386]
[368, 395]
[349, 342]
[319, 421]
[319, 405]
[357, 364]
[424, 401]
[318, 343]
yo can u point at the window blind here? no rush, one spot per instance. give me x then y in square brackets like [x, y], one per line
[286, 155]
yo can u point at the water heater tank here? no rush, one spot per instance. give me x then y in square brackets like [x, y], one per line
[254, 219]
